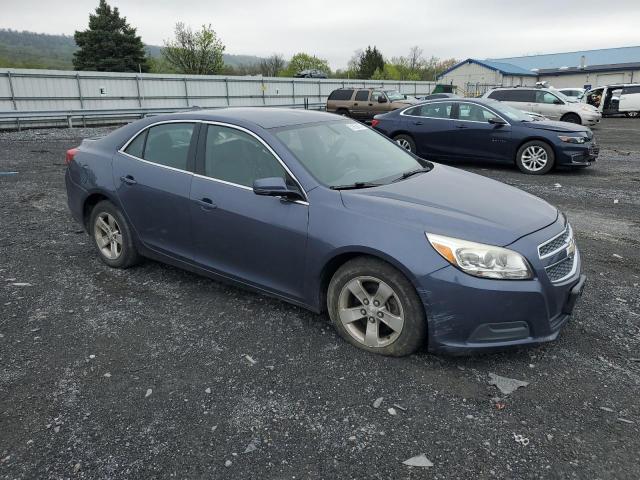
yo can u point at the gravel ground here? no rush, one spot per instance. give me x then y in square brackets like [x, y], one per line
[154, 372]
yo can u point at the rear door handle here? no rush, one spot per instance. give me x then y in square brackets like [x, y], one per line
[129, 180]
[206, 203]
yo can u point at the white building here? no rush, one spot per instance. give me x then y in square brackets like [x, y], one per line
[589, 68]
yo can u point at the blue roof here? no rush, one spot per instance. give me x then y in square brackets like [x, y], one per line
[605, 56]
[502, 67]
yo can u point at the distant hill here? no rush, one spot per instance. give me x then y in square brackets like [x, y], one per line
[41, 50]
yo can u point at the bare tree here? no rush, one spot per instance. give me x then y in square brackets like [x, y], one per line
[415, 59]
[192, 52]
[272, 66]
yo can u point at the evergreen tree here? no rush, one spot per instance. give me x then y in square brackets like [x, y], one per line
[109, 44]
[370, 61]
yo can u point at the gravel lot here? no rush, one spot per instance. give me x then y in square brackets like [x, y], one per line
[154, 372]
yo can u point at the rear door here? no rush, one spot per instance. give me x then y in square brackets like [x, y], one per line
[630, 99]
[473, 137]
[520, 98]
[431, 127]
[153, 175]
[361, 108]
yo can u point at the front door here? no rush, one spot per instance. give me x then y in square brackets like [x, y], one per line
[473, 137]
[153, 181]
[255, 239]
[549, 105]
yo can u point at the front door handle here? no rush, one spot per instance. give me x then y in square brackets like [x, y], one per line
[129, 180]
[461, 126]
[355, 104]
[417, 123]
[206, 203]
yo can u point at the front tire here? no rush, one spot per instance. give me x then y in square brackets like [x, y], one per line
[112, 236]
[572, 118]
[375, 308]
[406, 142]
[535, 158]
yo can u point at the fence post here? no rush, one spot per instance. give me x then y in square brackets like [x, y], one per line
[13, 95]
[138, 89]
[186, 91]
[293, 91]
[226, 90]
[81, 98]
[264, 100]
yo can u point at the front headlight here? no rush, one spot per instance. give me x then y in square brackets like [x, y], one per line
[480, 260]
[570, 139]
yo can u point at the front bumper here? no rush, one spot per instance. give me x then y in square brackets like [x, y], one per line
[468, 314]
[578, 155]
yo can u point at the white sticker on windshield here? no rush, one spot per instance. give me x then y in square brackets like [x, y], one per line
[356, 126]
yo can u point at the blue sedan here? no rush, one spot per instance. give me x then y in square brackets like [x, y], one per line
[487, 130]
[328, 214]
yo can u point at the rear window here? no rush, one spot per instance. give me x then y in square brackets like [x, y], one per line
[515, 95]
[431, 110]
[341, 95]
[362, 95]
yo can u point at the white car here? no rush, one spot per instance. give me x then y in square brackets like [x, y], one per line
[574, 93]
[615, 99]
[548, 102]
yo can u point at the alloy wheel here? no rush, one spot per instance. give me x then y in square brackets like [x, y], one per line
[534, 158]
[108, 236]
[404, 143]
[370, 311]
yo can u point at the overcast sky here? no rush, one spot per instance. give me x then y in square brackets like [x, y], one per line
[333, 29]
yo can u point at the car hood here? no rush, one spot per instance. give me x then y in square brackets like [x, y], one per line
[450, 201]
[552, 126]
[406, 101]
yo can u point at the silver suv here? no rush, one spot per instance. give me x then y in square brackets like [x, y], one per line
[548, 102]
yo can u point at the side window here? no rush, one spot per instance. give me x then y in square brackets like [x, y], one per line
[415, 111]
[136, 148]
[168, 144]
[516, 95]
[474, 113]
[436, 110]
[237, 157]
[375, 95]
[545, 97]
[341, 95]
[631, 90]
[362, 96]
[497, 95]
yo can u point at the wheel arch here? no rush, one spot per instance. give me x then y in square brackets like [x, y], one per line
[342, 256]
[90, 202]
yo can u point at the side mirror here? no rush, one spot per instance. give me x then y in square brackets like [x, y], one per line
[496, 121]
[275, 187]
[382, 99]
[557, 101]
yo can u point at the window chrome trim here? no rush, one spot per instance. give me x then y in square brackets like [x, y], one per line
[402, 114]
[222, 124]
[453, 102]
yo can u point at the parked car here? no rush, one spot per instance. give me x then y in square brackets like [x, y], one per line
[574, 93]
[486, 130]
[311, 74]
[615, 99]
[326, 213]
[436, 96]
[365, 103]
[548, 102]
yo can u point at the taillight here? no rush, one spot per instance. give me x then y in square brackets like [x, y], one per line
[70, 154]
[374, 122]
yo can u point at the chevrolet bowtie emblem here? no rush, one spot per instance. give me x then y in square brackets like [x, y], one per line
[571, 249]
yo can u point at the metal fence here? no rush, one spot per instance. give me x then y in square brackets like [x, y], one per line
[26, 93]
[478, 89]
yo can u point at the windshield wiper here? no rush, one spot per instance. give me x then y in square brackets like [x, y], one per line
[411, 173]
[354, 186]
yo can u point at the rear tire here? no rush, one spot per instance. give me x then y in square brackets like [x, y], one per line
[112, 236]
[571, 118]
[384, 315]
[535, 158]
[406, 142]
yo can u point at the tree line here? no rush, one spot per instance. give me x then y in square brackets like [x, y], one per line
[111, 44]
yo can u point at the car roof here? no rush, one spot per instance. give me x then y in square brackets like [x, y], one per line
[265, 117]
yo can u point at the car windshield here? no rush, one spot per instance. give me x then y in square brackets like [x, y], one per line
[394, 95]
[510, 112]
[346, 152]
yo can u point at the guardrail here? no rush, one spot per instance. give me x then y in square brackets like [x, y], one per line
[22, 118]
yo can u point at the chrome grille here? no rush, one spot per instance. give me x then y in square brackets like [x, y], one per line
[556, 244]
[562, 269]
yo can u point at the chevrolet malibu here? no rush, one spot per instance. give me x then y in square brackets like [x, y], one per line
[328, 214]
